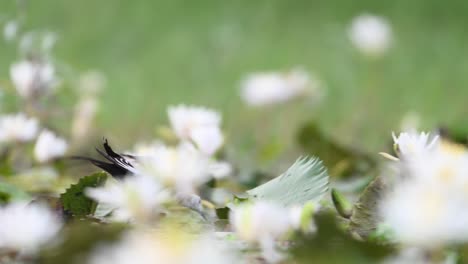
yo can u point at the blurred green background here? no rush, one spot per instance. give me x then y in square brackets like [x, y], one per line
[156, 53]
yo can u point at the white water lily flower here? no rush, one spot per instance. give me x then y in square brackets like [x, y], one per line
[135, 198]
[17, 128]
[426, 215]
[183, 166]
[371, 35]
[199, 124]
[167, 246]
[32, 78]
[268, 88]
[261, 223]
[447, 164]
[426, 205]
[25, 228]
[49, 146]
[413, 143]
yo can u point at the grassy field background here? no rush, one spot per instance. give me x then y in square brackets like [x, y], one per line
[156, 53]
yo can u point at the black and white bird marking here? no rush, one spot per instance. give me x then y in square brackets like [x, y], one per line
[120, 165]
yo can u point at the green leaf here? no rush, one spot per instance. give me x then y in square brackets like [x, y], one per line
[340, 159]
[306, 180]
[365, 218]
[332, 245]
[74, 200]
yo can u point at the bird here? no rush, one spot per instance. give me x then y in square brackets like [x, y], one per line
[119, 165]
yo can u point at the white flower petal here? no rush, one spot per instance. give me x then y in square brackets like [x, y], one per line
[370, 34]
[269, 88]
[208, 139]
[17, 127]
[49, 146]
[27, 227]
[135, 198]
[32, 78]
[413, 144]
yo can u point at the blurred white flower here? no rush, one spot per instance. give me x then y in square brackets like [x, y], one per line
[446, 164]
[261, 223]
[295, 215]
[10, 30]
[413, 143]
[182, 167]
[199, 124]
[85, 111]
[32, 78]
[409, 255]
[166, 246]
[17, 128]
[371, 35]
[426, 215]
[92, 82]
[26, 228]
[268, 88]
[136, 198]
[49, 146]
[426, 205]
[40, 42]
[208, 139]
